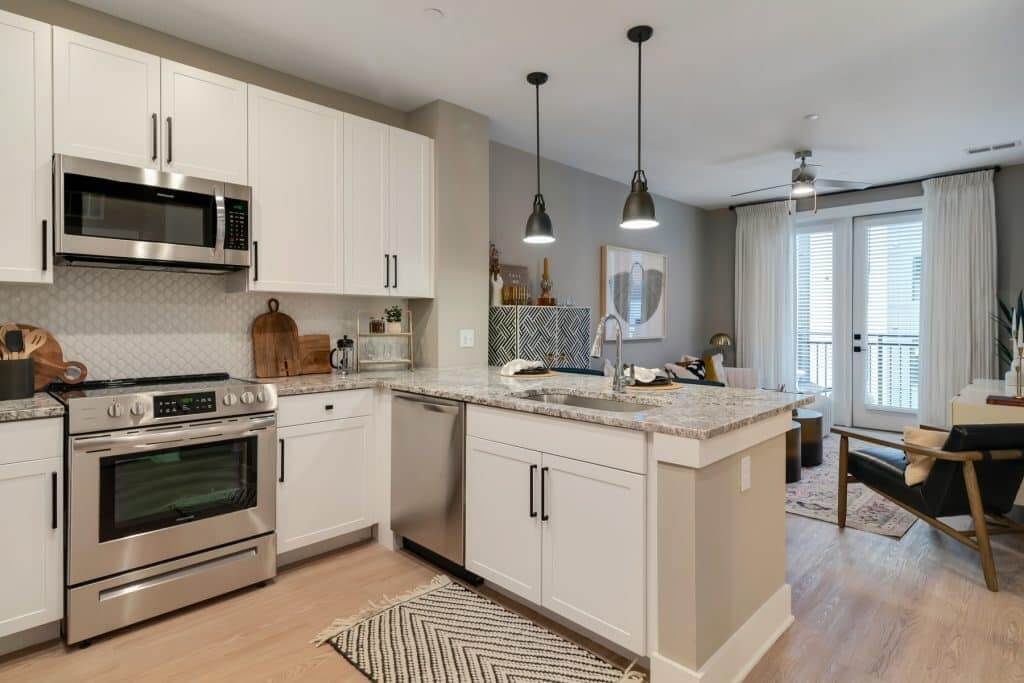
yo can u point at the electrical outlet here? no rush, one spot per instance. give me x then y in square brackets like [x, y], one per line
[466, 338]
[745, 473]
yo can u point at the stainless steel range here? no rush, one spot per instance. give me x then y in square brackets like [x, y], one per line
[171, 486]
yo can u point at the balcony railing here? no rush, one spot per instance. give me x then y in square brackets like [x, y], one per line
[892, 366]
[813, 361]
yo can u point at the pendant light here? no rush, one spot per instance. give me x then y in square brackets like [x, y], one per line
[538, 225]
[638, 212]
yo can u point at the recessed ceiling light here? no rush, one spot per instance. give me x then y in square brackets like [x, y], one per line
[434, 13]
[812, 117]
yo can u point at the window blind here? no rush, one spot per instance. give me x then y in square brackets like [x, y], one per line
[814, 297]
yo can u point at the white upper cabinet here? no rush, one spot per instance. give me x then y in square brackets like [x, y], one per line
[368, 263]
[26, 146]
[106, 100]
[295, 165]
[410, 213]
[204, 123]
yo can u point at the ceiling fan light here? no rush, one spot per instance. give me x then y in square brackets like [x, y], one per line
[802, 188]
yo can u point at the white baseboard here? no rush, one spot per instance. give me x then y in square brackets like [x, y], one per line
[738, 655]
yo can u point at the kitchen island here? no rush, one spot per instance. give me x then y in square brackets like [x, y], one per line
[664, 533]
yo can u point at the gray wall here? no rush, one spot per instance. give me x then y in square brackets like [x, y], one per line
[585, 210]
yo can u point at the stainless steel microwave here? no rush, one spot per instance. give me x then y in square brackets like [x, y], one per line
[113, 215]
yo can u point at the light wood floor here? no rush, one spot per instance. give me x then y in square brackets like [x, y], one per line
[867, 608]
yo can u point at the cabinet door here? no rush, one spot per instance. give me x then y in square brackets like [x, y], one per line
[503, 527]
[106, 100]
[294, 168]
[25, 148]
[324, 481]
[204, 123]
[594, 548]
[31, 593]
[367, 257]
[410, 213]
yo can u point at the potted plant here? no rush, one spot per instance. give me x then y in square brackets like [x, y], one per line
[394, 318]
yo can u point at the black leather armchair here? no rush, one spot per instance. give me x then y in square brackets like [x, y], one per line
[977, 472]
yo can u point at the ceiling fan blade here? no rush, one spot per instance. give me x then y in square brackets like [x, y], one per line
[763, 189]
[829, 184]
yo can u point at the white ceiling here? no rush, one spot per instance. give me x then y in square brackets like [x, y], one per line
[902, 87]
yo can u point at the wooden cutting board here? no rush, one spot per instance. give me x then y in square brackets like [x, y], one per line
[275, 343]
[674, 386]
[49, 362]
[315, 353]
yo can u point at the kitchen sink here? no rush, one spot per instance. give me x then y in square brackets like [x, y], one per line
[609, 404]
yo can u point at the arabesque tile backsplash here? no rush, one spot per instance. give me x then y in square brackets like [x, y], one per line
[132, 323]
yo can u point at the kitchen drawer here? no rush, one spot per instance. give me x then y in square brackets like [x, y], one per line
[622, 449]
[330, 405]
[31, 440]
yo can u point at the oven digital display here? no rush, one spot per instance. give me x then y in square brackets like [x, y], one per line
[185, 404]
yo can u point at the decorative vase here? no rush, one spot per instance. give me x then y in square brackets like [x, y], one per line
[394, 328]
[496, 289]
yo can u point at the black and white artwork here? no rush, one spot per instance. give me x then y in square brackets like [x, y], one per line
[633, 287]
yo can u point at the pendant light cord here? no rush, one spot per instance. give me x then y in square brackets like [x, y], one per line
[639, 98]
[537, 88]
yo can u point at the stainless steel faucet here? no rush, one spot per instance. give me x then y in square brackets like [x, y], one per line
[597, 348]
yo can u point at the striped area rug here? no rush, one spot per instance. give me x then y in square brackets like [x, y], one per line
[442, 632]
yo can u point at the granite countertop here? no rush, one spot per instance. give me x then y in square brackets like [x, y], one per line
[39, 406]
[694, 412]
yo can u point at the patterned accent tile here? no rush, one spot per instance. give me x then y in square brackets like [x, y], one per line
[574, 331]
[538, 332]
[501, 335]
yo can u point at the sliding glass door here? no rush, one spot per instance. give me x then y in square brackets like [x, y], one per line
[857, 299]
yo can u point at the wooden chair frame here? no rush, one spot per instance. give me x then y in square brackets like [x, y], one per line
[976, 538]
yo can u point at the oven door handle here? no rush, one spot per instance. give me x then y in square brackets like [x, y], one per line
[186, 435]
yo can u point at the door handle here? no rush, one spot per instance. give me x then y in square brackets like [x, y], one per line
[856, 349]
[533, 512]
[155, 133]
[280, 477]
[46, 234]
[387, 271]
[856, 337]
[543, 496]
[395, 256]
[170, 140]
[53, 500]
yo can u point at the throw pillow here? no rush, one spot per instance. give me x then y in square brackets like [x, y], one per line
[695, 366]
[714, 366]
[920, 465]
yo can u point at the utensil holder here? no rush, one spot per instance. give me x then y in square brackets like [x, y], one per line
[17, 379]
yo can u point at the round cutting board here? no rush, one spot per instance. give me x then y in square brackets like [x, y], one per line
[664, 387]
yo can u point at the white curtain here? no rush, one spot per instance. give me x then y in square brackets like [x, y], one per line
[958, 289]
[764, 293]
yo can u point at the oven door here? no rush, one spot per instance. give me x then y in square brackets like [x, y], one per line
[138, 497]
[117, 212]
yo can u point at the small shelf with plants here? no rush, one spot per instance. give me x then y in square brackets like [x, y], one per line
[373, 332]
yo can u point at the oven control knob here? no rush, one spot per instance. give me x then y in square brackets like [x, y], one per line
[138, 409]
[261, 397]
[230, 399]
[115, 410]
[248, 397]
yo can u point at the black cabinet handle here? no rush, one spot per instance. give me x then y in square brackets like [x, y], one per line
[280, 476]
[53, 500]
[329, 406]
[154, 137]
[543, 496]
[170, 143]
[396, 270]
[533, 468]
[256, 260]
[387, 271]
[46, 236]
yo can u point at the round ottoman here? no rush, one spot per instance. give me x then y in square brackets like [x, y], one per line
[810, 436]
[793, 457]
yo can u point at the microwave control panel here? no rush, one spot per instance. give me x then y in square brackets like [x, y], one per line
[185, 404]
[236, 228]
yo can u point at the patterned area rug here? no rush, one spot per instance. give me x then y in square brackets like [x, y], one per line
[816, 493]
[443, 632]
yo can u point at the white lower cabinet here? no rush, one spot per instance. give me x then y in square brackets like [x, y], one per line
[31, 507]
[325, 476]
[575, 546]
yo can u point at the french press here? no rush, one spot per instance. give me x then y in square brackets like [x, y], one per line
[341, 357]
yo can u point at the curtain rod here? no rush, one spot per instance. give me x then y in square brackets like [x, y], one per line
[994, 169]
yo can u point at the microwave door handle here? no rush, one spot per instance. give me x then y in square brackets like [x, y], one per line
[218, 246]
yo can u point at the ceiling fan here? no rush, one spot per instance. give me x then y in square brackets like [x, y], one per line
[806, 183]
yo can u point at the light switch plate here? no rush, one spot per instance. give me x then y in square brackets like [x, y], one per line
[745, 473]
[466, 338]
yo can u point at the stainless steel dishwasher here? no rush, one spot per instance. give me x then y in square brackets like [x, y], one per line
[428, 456]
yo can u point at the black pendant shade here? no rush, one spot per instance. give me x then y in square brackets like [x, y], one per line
[638, 211]
[538, 225]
